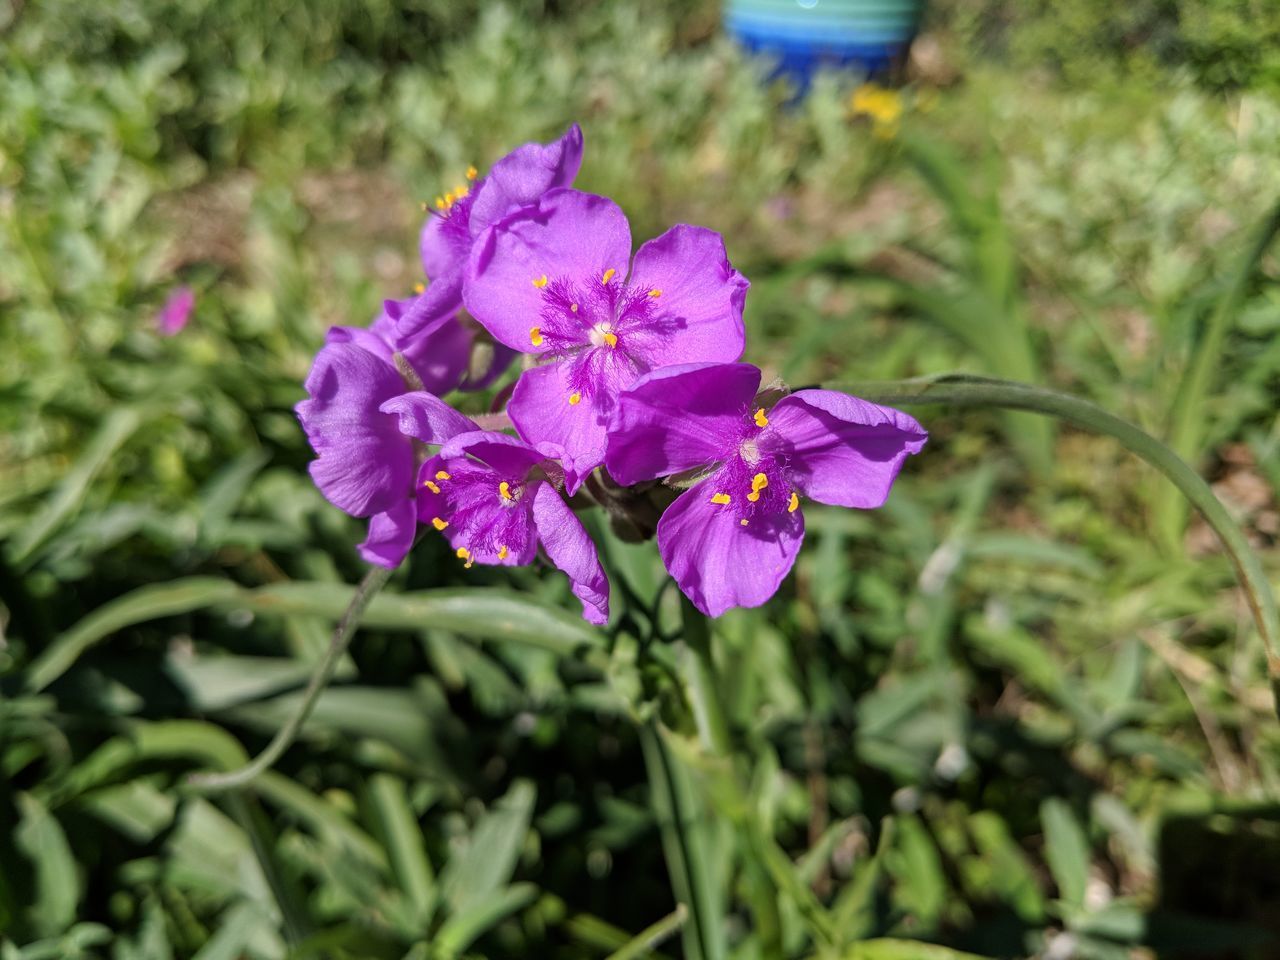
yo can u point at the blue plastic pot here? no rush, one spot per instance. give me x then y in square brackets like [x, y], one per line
[803, 35]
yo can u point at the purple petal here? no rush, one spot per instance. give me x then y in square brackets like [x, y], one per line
[700, 292]
[426, 417]
[391, 534]
[506, 454]
[440, 301]
[367, 339]
[839, 449]
[570, 548]
[719, 563]
[575, 434]
[462, 499]
[566, 234]
[678, 418]
[439, 356]
[175, 313]
[524, 175]
[364, 464]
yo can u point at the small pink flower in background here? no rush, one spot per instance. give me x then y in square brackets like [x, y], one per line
[175, 313]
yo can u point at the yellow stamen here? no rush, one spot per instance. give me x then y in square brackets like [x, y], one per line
[440, 204]
[462, 553]
[503, 552]
[655, 292]
[575, 398]
[449, 198]
[504, 489]
[611, 339]
[794, 505]
[472, 173]
[540, 282]
[608, 275]
[443, 475]
[461, 190]
[430, 485]
[573, 307]
[758, 483]
[761, 419]
[438, 523]
[720, 498]
[419, 288]
[743, 522]
[535, 336]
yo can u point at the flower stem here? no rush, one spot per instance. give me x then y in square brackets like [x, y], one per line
[958, 390]
[713, 730]
[373, 581]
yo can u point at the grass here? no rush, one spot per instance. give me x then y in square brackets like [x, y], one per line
[1019, 711]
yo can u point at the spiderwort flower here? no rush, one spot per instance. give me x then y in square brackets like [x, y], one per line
[175, 313]
[362, 425]
[731, 538]
[458, 218]
[552, 280]
[495, 499]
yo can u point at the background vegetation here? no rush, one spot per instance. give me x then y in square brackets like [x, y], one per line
[1020, 711]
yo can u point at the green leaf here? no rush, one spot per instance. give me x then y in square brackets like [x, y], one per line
[1066, 850]
[887, 949]
[480, 868]
[402, 839]
[145, 603]
[116, 427]
[462, 928]
[57, 891]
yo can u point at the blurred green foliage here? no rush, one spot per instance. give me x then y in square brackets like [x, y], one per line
[1019, 711]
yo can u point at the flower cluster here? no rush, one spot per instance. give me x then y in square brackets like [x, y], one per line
[630, 367]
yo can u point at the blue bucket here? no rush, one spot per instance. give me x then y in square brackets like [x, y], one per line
[803, 35]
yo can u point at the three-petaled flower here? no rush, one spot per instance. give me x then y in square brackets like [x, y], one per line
[731, 538]
[495, 499]
[552, 280]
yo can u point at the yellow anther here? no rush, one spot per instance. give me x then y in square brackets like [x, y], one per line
[449, 198]
[462, 553]
[575, 398]
[430, 485]
[720, 498]
[443, 475]
[761, 419]
[504, 489]
[540, 282]
[608, 275]
[419, 288]
[461, 190]
[758, 483]
[655, 292]
[611, 339]
[794, 505]
[472, 173]
[503, 553]
[535, 336]
[438, 523]
[424, 205]
[440, 204]
[743, 522]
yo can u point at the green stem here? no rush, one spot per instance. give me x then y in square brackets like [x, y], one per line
[373, 581]
[713, 729]
[968, 391]
[652, 936]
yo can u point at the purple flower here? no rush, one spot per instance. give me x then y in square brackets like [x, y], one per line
[362, 424]
[462, 215]
[175, 313]
[438, 354]
[552, 280]
[731, 538]
[495, 499]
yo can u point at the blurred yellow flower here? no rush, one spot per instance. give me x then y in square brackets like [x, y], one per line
[883, 106]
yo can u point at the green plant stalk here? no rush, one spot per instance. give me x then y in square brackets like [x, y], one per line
[373, 582]
[968, 391]
[1186, 428]
[652, 936]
